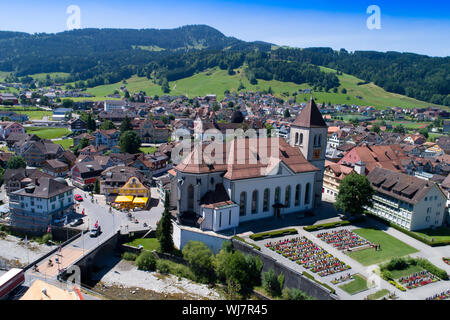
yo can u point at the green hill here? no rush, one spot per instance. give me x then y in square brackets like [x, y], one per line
[216, 81]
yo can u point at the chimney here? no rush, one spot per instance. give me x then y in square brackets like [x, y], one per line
[360, 168]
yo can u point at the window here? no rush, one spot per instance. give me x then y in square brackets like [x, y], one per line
[297, 195]
[191, 197]
[229, 217]
[315, 140]
[307, 193]
[297, 138]
[277, 195]
[426, 198]
[320, 140]
[242, 204]
[255, 201]
[220, 219]
[287, 197]
[427, 219]
[301, 138]
[266, 200]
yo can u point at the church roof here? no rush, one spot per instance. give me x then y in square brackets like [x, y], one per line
[310, 117]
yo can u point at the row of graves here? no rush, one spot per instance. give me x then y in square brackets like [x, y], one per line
[309, 255]
[446, 260]
[345, 240]
[418, 279]
[444, 295]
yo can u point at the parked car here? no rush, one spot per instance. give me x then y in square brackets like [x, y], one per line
[95, 232]
[78, 197]
[77, 222]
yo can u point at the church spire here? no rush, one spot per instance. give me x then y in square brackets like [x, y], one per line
[310, 117]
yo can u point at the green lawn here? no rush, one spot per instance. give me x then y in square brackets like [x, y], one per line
[438, 234]
[357, 285]
[32, 113]
[390, 247]
[47, 133]
[148, 243]
[396, 274]
[53, 75]
[148, 150]
[66, 143]
[379, 294]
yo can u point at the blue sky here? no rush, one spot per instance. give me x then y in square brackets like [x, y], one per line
[407, 26]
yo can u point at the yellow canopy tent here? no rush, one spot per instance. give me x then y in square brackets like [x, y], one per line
[140, 201]
[124, 199]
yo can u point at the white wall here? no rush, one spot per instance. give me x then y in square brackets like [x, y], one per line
[436, 215]
[181, 236]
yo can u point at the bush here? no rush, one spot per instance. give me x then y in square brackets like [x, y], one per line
[273, 284]
[438, 272]
[246, 242]
[162, 266]
[129, 256]
[46, 238]
[295, 294]
[146, 261]
[200, 259]
[399, 287]
[397, 264]
[273, 234]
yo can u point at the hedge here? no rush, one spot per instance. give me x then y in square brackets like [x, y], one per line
[246, 242]
[333, 224]
[427, 265]
[412, 234]
[306, 274]
[399, 287]
[273, 234]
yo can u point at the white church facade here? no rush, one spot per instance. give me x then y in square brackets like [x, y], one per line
[251, 182]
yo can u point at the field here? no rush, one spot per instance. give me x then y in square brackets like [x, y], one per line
[148, 150]
[396, 274]
[148, 243]
[379, 294]
[53, 75]
[66, 143]
[357, 285]
[32, 113]
[3, 75]
[47, 133]
[216, 81]
[390, 247]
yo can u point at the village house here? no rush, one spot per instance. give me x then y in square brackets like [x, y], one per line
[84, 174]
[55, 168]
[40, 203]
[7, 128]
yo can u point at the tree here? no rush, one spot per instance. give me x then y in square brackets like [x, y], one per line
[67, 103]
[424, 132]
[273, 284]
[355, 193]
[269, 129]
[295, 294]
[287, 114]
[97, 187]
[166, 227]
[344, 91]
[244, 270]
[376, 128]
[107, 125]
[130, 142]
[16, 162]
[126, 125]
[146, 261]
[200, 259]
[399, 129]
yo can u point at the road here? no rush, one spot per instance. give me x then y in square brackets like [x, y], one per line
[110, 223]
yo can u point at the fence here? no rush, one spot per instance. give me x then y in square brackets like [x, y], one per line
[292, 278]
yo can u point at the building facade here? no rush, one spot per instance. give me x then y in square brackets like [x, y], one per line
[409, 202]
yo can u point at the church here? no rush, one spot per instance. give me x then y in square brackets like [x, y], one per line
[250, 182]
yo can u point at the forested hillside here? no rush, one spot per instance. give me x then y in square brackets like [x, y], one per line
[96, 57]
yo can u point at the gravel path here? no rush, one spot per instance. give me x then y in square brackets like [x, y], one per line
[127, 275]
[13, 249]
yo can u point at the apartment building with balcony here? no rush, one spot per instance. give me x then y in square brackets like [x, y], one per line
[407, 201]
